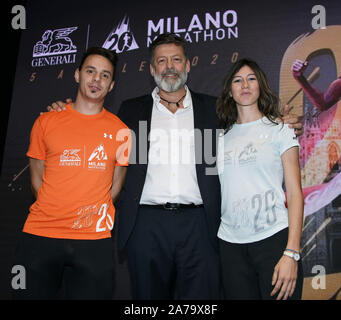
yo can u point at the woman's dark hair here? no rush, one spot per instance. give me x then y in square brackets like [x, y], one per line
[110, 55]
[268, 103]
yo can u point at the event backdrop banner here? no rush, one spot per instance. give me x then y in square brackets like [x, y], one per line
[274, 33]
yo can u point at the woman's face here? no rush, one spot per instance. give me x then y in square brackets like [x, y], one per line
[245, 87]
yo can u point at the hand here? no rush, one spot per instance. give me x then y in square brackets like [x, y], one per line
[298, 68]
[284, 278]
[293, 120]
[58, 105]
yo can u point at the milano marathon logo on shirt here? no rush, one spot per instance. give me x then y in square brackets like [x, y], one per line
[248, 155]
[97, 158]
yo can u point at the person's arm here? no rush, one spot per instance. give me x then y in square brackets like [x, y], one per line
[332, 94]
[285, 272]
[123, 136]
[294, 121]
[323, 101]
[292, 180]
[118, 181]
[36, 171]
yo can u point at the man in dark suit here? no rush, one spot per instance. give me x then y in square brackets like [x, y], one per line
[169, 207]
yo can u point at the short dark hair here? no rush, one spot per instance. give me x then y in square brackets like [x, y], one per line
[167, 38]
[110, 55]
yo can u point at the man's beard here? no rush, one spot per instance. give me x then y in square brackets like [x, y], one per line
[170, 85]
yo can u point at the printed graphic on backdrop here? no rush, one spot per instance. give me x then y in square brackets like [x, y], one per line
[55, 47]
[207, 26]
[121, 38]
[311, 85]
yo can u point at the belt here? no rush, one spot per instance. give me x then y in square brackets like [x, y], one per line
[172, 206]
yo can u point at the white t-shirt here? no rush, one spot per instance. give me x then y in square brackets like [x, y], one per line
[251, 176]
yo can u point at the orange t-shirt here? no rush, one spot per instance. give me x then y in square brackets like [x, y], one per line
[80, 153]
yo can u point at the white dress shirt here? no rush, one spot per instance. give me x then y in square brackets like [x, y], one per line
[171, 174]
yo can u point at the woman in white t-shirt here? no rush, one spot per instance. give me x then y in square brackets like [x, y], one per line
[259, 236]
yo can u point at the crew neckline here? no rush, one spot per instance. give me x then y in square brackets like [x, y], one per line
[84, 116]
[264, 118]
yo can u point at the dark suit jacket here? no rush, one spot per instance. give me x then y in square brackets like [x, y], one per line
[132, 112]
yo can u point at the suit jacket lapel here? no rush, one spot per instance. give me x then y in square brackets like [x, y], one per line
[145, 116]
[199, 123]
[196, 109]
[146, 112]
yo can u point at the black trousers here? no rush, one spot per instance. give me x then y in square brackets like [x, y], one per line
[171, 256]
[84, 267]
[247, 269]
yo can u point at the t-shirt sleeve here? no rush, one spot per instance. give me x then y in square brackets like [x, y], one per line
[124, 138]
[286, 138]
[37, 147]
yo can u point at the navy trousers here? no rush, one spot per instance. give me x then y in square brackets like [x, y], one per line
[171, 256]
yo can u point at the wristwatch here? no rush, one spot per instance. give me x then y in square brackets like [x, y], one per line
[292, 254]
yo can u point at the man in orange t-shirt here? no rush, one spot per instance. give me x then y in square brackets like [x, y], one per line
[78, 161]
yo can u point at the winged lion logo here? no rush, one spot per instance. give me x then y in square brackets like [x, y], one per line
[55, 42]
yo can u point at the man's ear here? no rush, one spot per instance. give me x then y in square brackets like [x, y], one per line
[151, 68]
[111, 85]
[188, 66]
[77, 75]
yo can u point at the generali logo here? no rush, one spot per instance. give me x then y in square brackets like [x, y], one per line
[70, 157]
[55, 47]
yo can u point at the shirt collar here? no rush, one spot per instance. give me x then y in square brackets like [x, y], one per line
[187, 102]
